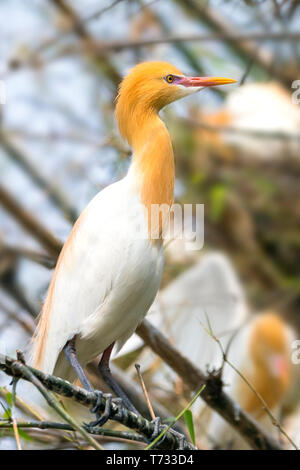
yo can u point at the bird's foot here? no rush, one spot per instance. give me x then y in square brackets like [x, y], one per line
[102, 418]
[180, 437]
[157, 430]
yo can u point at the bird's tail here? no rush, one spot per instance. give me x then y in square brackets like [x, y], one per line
[37, 356]
[56, 365]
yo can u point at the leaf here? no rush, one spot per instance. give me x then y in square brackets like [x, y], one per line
[8, 398]
[217, 199]
[24, 435]
[188, 418]
[7, 413]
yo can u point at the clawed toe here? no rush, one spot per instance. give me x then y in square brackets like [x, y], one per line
[157, 429]
[180, 438]
[95, 408]
[102, 418]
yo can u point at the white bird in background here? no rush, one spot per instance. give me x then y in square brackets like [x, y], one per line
[210, 296]
[110, 268]
[262, 353]
[258, 107]
[208, 290]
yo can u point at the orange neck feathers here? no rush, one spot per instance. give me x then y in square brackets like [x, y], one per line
[153, 163]
[153, 159]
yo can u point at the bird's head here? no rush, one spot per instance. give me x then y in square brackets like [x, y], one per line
[150, 86]
[270, 348]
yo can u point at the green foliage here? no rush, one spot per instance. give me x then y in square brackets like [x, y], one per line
[217, 201]
[188, 418]
[8, 398]
[24, 435]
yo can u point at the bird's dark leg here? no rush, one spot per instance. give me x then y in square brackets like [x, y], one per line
[107, 376]
[70, 352]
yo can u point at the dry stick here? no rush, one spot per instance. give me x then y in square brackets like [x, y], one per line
[213, 394]
[138, 369]
[46, 382]
[133, 391]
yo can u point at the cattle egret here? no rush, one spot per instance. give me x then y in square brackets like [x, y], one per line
[262, 353]
[110, 267]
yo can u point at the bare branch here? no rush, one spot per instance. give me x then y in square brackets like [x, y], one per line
[30, 223]
[45, 382]
[55, 193]
[42, 425]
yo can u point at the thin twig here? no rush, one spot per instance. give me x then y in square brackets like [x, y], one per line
[129, 436]
[138, 369]
[285, 136]
[266, 408]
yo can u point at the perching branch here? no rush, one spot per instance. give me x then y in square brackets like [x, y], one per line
[17, 369]
[213, 394]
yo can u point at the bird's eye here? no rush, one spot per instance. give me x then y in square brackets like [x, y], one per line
[169, 78]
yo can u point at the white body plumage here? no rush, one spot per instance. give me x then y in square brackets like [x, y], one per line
[108, 277]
